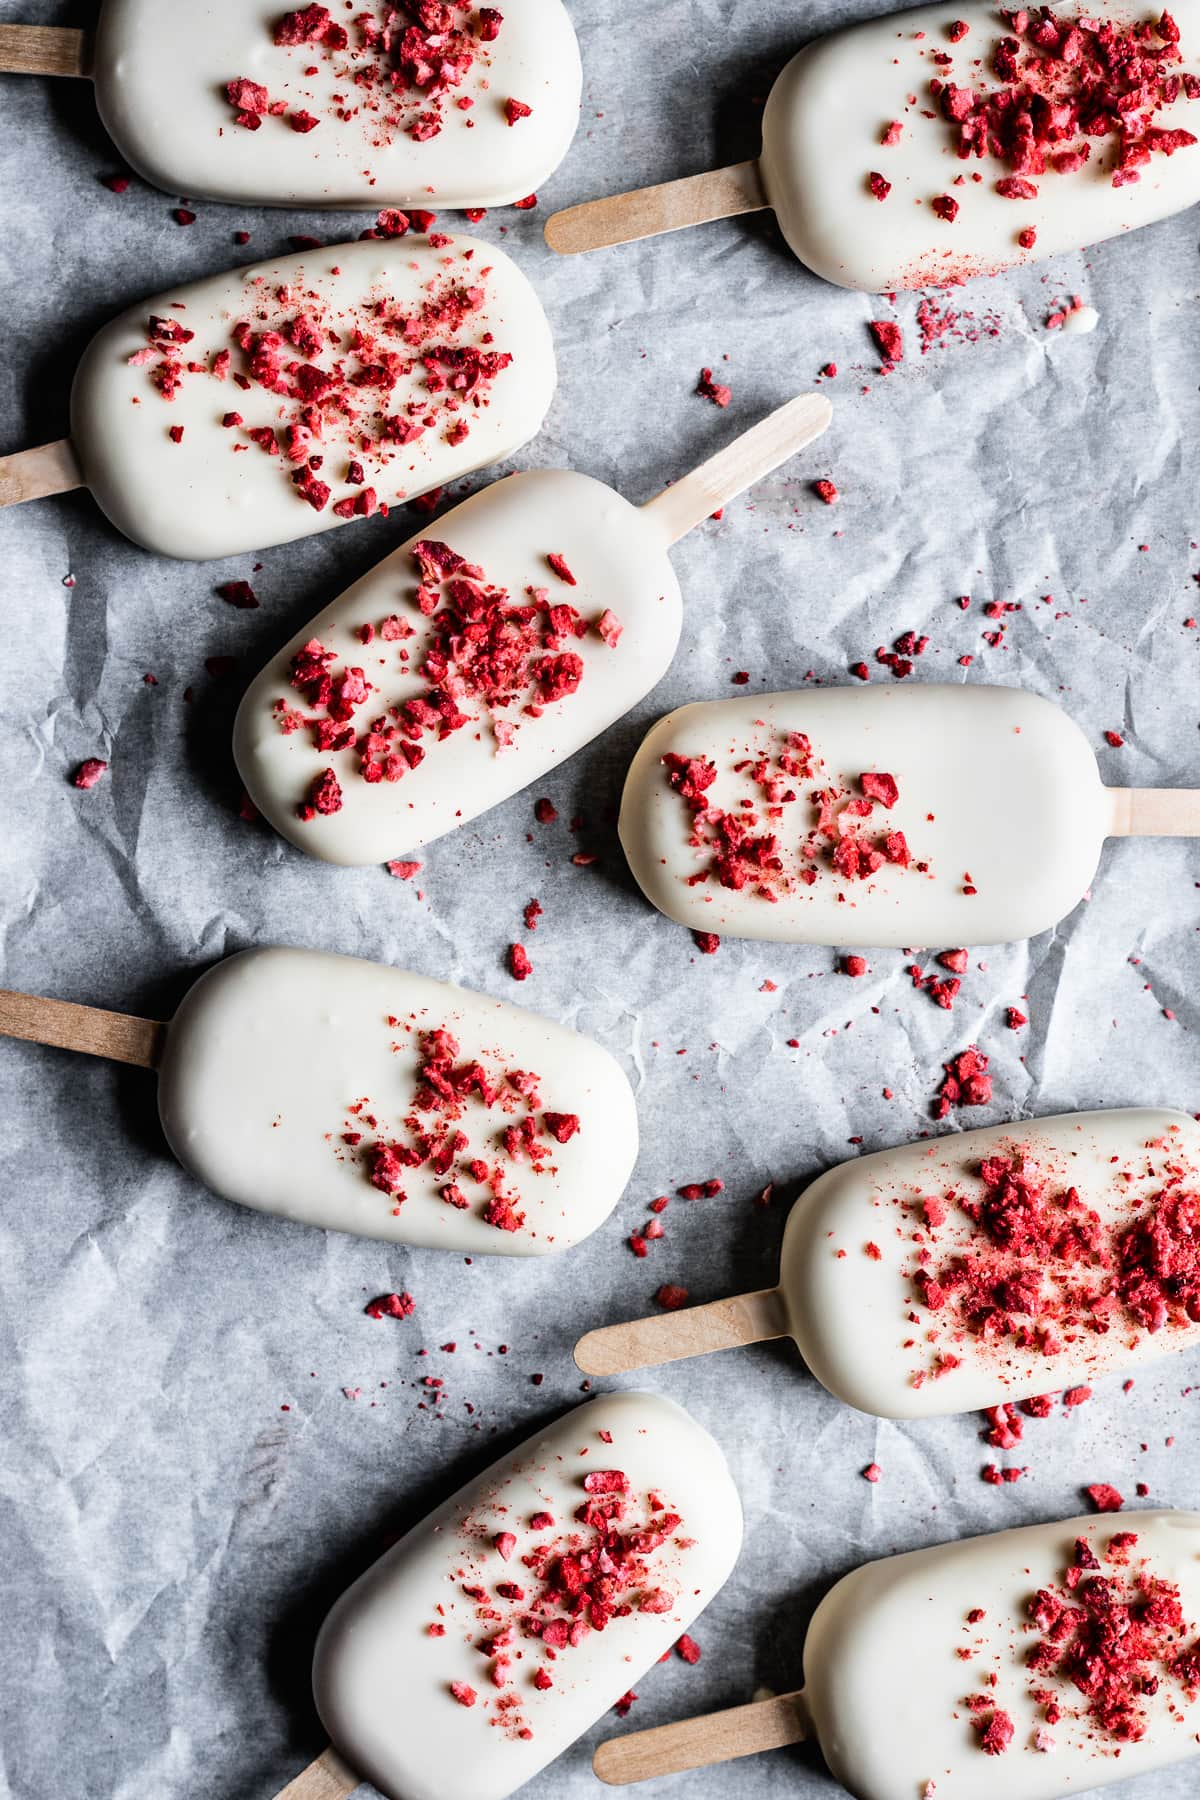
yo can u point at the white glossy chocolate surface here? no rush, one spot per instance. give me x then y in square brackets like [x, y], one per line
[271, 1049]
[382, 1683]
[167, 111]
[821, 140]
[885, 1685]
[217, 492]
[854, 1239]
[994, 784]
[619, 561]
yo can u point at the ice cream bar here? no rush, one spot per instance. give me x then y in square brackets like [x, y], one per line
[361, 1098]
[288, 397]
[1038, 1662]
[976, 1270]
[929, 146]
[422, 105]
[487, 1640]
[481, 653]
[918, 815]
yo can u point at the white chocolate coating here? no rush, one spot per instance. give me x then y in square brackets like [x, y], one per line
[167, 111]
[215, 493]
[885, 1687]
[1011, 782]
[382, 1684]
[618, 558]
[271, 1048]
[821, 139]
[858, 1317]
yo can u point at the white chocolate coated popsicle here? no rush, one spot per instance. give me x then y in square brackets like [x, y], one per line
[993, 834]
[324, 1088]
[616, 556]
[978, 1270]
[893, 1655]
[834, 102]
[417, 361]
[375, 120]
[905, 1305]
[439, 1610]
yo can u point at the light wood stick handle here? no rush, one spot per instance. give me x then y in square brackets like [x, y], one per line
[44, 50]
[647, 212]
[1155, 812]
[31, 474]
[326, 1779]
[694, 498]
[669, 1337]
[698, 1743]
[119, 1036]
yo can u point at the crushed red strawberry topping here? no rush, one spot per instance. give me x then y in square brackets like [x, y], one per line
[478, 656]
[791, 827]
[411, 70]
[1014, 1257]
[348, 388]
[523, 1600]
[716, 391]
[1069, 86]
[473, 1125]
[1112, 1631]
[89, 772]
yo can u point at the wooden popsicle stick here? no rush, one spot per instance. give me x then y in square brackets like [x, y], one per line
[698, 1743]
[119, 1036]
[32, 474]
[696, 496]
[647, 212]
[1155, 812]
[326, 1779]
[669, 1337]
[44, 50]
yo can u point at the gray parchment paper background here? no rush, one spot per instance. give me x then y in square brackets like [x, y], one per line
[171, 1537]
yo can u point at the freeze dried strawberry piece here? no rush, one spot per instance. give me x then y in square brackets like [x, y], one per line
[561, 1126]
[559, 565]
[880, 787]
[954, 960]
[516, 109]
[708, 389]
[690, 776]
[249, 100]
[688, 1648]
[889, 337]
[878, 185]
[303, 122]
[503, 1215]
[324, 796]
[946, 207]
[519, 965]
[1104, 1497]
[996, 1734]
[545, 812]
[1012, 187]
[390, 1306]
[706, 942]
[610, 628]
[89, 772]
[464, 1693]
[238, 593]
[965, 1082]
[854, 966]
[1014, 1019]
[826, 491]
[606, 1481]
[391, 222]
[671, 1297]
